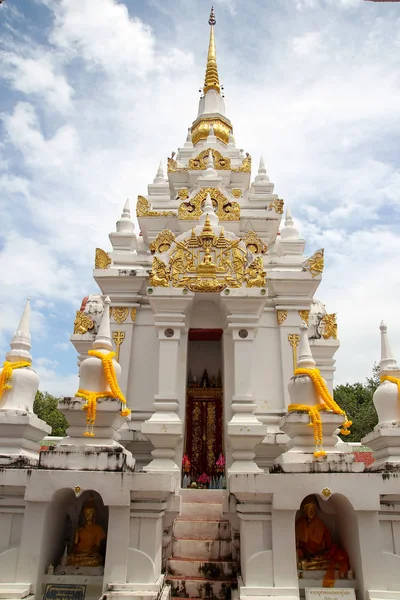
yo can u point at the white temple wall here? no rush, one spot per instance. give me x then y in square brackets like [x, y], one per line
[12, 508]
[228, 381]
[389, 527]
[124, 354]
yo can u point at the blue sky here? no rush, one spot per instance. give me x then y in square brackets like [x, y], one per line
[94, 93]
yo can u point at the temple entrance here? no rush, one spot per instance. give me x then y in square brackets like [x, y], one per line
[203, 464]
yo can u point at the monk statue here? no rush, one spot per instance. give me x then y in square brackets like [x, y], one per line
[88, 538]
[315, 550]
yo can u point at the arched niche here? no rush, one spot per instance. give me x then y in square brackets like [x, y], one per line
[63, 517]
[339, 517]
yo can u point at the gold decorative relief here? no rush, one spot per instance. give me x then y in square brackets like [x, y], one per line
[118, 337]
[119, 313]
[102, 259]
[183, 193]
[329, 326]
[143, 209]
[201, 130]
[133, 314]
[315, 264]
[304, 316]
[294, 340]
[245, 167]
[281, 316]
[163, 242]
[200, 162]
[224, 208]
[255, 275]
[173, 166]
[254, 244]
[203, 263]
[237, 193]
[82, 323]
[276, 205]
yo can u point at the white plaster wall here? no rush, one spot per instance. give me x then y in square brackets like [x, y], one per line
[266, 376]
[228, 378]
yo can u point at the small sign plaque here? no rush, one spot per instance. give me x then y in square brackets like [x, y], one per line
[330, 594]
[61, 591]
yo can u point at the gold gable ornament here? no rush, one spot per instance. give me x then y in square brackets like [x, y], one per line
[82, 323]
[163, 242]
[314, 264]
[329, 326]
[225, 209]
[102, 259]
[277, 206]
[143, 209]
[254, 244]
[199, 163]
[245, 167]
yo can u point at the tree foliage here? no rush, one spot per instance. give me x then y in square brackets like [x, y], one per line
[356, 400]
[45, 407]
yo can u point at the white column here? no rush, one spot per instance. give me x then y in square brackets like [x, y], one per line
[284, 548]
[244, 430]
[164, 428]
[31, 565]
[115, 569]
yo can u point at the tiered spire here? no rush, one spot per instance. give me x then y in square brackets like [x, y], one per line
[211, 81]
[208, 213]
[125, 223]
[305, 360]
[159, 178]
[103, 337]
[289, 231]
[210, 171]
[262, 172]
[388, 362]
[21, 341]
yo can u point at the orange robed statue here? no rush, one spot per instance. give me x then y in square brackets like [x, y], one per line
[88, 538]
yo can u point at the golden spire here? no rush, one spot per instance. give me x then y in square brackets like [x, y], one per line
[211, 81]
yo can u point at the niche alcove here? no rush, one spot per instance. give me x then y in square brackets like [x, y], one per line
[74, 544]
[327, 544]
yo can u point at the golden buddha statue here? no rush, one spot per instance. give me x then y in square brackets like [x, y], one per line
[88, 538]
[315, 550]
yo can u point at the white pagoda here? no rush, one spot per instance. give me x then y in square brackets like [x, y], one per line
[202, 458]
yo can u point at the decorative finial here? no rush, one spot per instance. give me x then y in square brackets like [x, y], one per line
[388, 362]
[211, 138]
[125, 223]
[289, 231]
[305, 360]
[262, 172]
[210, 172]
[208, 212]
[159, 178]
[21, 341]
[189, 143]
[103, 337]
[211, 81]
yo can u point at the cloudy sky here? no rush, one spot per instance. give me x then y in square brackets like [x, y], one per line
[94, 93]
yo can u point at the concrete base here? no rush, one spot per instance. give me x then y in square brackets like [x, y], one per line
[18, 591]
[20, 434]
[133, 591]
[384, 440]
[275, 593]
[87, 458]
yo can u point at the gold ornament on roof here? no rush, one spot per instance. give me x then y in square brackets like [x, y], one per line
[119, 313]
[255, 275]
[82, 323]
[183, 193]
[160, 274]
[245, 167]
[163, 242]
[237, 193]
[102, 259]
[199, 163]
[201, 129]
[281, 316]
[254, 244]
[329, 326]
[304, 316]
[211, 81]
[314, 264]
[203, 263]
[224, 208]
[276, 205]
[133, 314]
[143, 209]
[294, 341]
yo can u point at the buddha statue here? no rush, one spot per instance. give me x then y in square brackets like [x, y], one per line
[315, 550]
[88, 539]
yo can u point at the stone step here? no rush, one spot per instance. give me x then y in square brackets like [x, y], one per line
[209, 569]
[202, 530]
[201, 549]
[200, 587]
[197, 511]
[203, 496]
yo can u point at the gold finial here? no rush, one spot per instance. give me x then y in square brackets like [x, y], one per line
[211, 81]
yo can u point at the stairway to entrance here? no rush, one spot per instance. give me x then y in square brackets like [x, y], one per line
[201, 565]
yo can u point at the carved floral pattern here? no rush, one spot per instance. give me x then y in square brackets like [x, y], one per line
[102, 259]
[224, 208]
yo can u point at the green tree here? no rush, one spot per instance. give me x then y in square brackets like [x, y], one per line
[356, 400]
[45, 407]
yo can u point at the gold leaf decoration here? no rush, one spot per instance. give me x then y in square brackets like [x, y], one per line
[254, 244]
[237, 193]
[315, 264]
[276, 205]
[329, 326]
[245, 166]
[224, 208]
[200, 162]
[183, 194]
[143, 209]
[119, 313]
[102, 259]
[82, 323]
[304, 316]
[201, 130]
[133, 314]
[160, 274]
[255, 274]
[163, 242]
[281, 316]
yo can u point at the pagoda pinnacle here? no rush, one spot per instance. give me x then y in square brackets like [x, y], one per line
[103, 337]
[305, 359]
[21, 341]
[211, 81]
[388, 362]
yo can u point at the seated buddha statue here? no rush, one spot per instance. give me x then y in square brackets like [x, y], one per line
[315, 550]
[88, 538]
